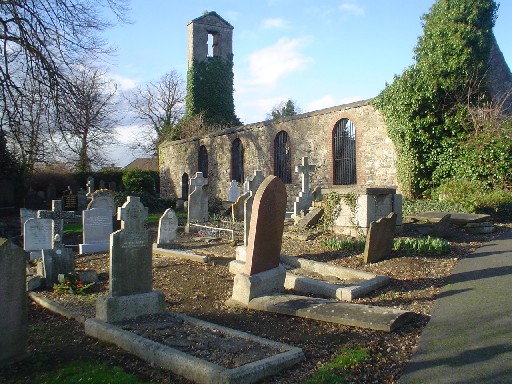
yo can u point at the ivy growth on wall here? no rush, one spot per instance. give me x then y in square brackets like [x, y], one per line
[210, 90]
[426, 108]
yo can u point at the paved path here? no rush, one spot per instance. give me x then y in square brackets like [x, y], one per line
[469, 337]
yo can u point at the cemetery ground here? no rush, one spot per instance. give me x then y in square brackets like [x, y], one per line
[201, 289]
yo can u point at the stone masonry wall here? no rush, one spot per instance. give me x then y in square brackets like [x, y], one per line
[310, 134]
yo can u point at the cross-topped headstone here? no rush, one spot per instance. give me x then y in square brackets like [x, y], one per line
[305, 198]
[130, 251]
[90, 186]
[198, 199]
[197, 180]
[57, 215]
[131, 280]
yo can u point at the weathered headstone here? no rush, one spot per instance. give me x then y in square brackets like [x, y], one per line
[81, 200]
[238, 207]
[303, 201]
[58, 216]
[233, 191]
[198, 199]
[38, 234]
[131, 281]
[167, 227]
[13, 303]
[130, 251]
[54, 262]
[90, 186]
[103, 198]
[267, 225]
[97, 227]
[51, 192]
[252, 186]
[263, 273]
[379, 241]
[26, 214]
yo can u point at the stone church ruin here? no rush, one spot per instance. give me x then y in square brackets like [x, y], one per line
[348, 143]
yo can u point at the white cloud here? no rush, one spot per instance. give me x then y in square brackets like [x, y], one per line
[123, 82]
[351, 8]
[269, 64]
[274, 23]
[329, 101]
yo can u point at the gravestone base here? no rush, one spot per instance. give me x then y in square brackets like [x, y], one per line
[119, 308]
[246, 288]
[241, 253]
[93, 248]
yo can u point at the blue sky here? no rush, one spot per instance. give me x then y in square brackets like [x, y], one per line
[318, 53]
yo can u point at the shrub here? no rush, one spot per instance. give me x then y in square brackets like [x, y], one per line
[154, 204]
[475, 196]
[136, 180]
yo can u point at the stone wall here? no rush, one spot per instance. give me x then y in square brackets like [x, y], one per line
[310, 134]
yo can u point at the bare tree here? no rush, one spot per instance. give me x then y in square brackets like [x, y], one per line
[87, 118]
[40, 41]
[28, 131]
[159, 106]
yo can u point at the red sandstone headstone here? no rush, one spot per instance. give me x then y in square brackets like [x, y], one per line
[266, 228]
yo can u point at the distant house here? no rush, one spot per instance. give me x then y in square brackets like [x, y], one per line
[144, 164]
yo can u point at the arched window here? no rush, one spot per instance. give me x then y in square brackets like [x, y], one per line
[237, 161]
[202, 161]
[344, 152]
[282, 157]
[184, 186]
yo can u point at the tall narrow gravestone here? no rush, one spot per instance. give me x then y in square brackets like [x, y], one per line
[263, 273]
[13, 303]
[131, 282]
[167, 227]
[97, 227]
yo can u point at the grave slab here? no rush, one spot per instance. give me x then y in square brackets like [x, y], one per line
[356, 315]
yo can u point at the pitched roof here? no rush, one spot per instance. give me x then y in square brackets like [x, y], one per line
[144, 164]
[209, 18]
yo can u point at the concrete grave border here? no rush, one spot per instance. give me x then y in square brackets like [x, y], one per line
[307, 285]
[191, 367]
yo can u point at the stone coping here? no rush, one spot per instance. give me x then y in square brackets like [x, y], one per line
[356, 315]
[179, 254]
[183, 364]
[455, 218]
[191, 367]
[360, 189]
[366, 281]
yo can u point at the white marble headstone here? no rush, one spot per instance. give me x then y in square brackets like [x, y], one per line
[167, 227]
[97, 227]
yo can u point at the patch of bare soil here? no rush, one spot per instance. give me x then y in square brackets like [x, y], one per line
[200, 290]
